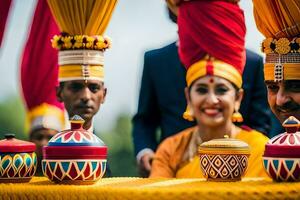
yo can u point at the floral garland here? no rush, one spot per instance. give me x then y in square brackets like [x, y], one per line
[281, 46]
[68, 42]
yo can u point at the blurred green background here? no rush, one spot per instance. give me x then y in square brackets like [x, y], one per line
[119, 141]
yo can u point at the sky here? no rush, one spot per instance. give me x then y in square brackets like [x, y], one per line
[136, 26]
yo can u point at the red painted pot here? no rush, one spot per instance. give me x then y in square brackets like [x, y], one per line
[17, 160]
[282, 153]
[74, 156]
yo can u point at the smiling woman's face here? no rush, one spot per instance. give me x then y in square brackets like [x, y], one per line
[213, 100]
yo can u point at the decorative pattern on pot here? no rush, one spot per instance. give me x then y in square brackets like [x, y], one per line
[17, 165]
[282, 169]
[74, 170]
[75, 137]
[74, 156]
[224, 159]
[223, 166]
[17, 160]
[282, 153]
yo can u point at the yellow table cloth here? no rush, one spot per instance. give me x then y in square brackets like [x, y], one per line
[164, 189]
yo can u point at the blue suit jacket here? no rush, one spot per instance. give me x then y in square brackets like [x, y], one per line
[162, 100]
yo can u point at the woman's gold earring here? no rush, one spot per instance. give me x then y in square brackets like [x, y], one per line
[188, 114]
[237, 117]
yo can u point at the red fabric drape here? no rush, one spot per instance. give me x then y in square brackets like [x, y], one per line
[210, 27]
[4, 10]
[39, 68]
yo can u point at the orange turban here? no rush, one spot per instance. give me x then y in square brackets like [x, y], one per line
[279, 22]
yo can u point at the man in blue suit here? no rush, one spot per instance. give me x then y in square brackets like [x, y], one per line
[162, 101]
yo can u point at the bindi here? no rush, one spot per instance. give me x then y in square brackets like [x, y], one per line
[211, 80]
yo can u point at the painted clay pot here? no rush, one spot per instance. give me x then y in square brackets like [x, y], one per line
[282, 153]
[74, 156]
[17, 160]
[224, 159]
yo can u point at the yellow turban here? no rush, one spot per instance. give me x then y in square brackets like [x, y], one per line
[279, 22]
[81, 44]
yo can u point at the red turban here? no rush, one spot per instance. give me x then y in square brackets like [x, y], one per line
[4, 9]
[39, 73]
[214, 28]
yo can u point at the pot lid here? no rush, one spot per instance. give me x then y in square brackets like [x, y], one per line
[76, 136]
[75, 143]
[12, 145]
[286, 144]
[224, 145]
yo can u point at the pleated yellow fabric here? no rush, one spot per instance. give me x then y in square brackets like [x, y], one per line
[291, 71]
[163, 189]
[220, 69]
[70, 72]
[82, 17]
[277, 18]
